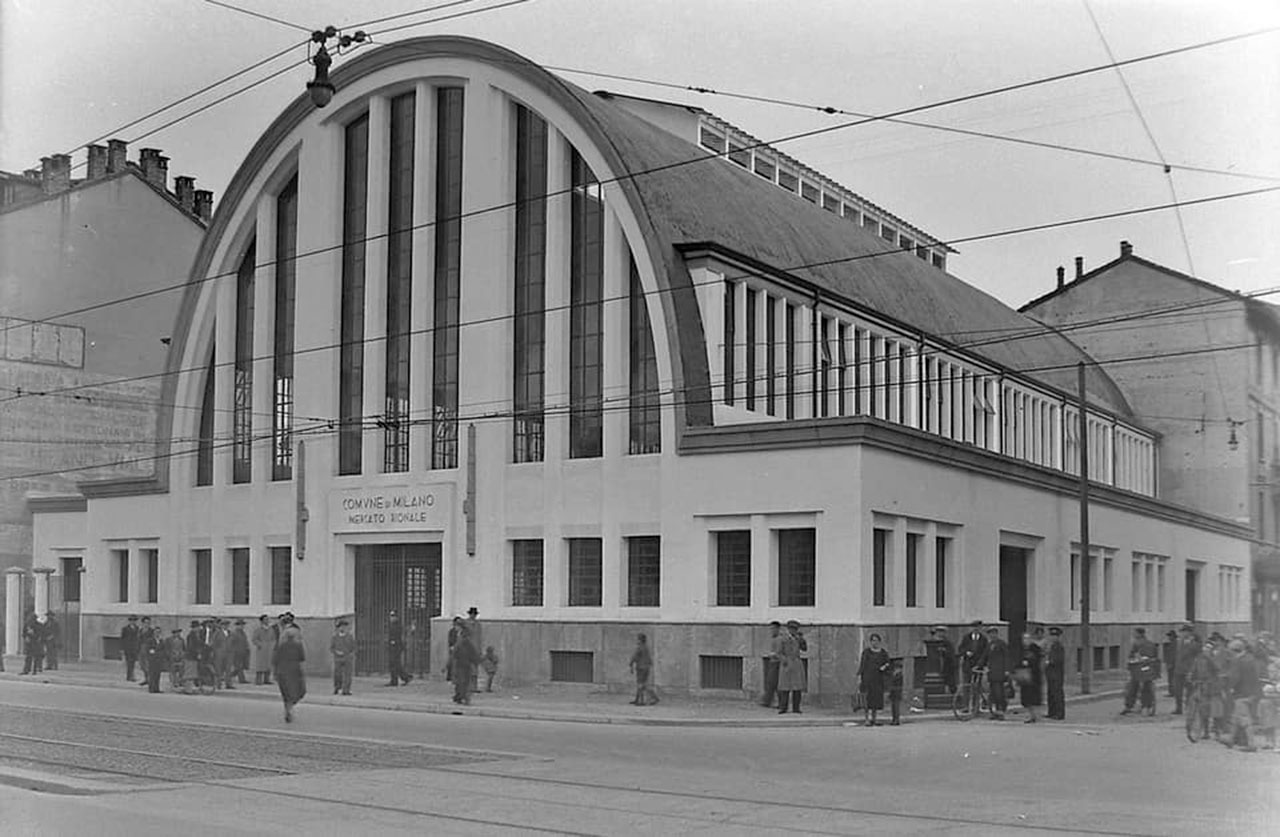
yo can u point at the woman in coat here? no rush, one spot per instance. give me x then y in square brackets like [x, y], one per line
[791, 676]
[264, 645]
[1030, 676]
[873, 674]
[287, 660]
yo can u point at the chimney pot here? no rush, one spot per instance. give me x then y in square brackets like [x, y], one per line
[55, 173]
[31, 174]
[204, 204]
[117, 156]
[97, 162]
[1062, 276]
[1126, 249]
[184, 188]
[1079, 266]
[155, 167]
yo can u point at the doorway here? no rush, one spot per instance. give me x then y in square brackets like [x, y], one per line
[404, 577]
[1013, 594]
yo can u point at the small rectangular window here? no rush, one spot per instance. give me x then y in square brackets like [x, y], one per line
[281, 575]
[939, 261]
[809, 192]
[720, 672]
[788, 180]
[888, 233]
[710, 140]
[584, 572]
[765, 168]
[239, 575]
[572, 666]
[796, 567]
[740, 154]
[151, 561]
[879, 566]
[942, 557]
[526, 573]
[733, 569]
[203, 559]
[831, 204]
[644, 571]
[906, 243]
[851, 214]
[913, 568]
[120, 571]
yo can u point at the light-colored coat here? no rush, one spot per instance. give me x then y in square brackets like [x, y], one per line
[264, 645]
[791, 676]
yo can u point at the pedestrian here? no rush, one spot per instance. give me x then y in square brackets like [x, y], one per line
[1201, 673]
[192, 654]
[155, 657]
[1055, 675]
[240, 652]
[130, 643]
[997, 673]
[475, 632]
[52, 642]
[287, 662]
[642, 665]
[454, 631]
[896, 683]
[1144, 668]
[873, 675]
[489, 662]
[771, 666]
[264, 646]
[972, 651]
[32, 645]
[1244, 687]
[395, 650]
[342, 647]
[145, 632]
[464, 659]
[792, 680]
[1189, 648]
[1029, 676]
[221, 644]
[948, 653]
[174, 654]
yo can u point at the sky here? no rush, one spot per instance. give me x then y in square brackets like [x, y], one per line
[72, 72]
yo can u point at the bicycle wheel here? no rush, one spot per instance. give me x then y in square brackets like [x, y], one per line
[962, 705]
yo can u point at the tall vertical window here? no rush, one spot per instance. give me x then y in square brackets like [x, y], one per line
[239, 575]
[750, 371]
[281, 575]
[72, 569]
[282, 344]
[842, 369]
[796, 567]
[203, 560]
[644, 408]
[585, 581]
[120, 573]
[526, 573]
[857, 370]
[529, 349]
[242, 389]
[790, 337]
[448, 278]
[823, 389]
[586, 314]
[204, 443]
[355, 199]
[395, 414]
[733, 568]
[880, 566]
[644, 571]
[873, 364]
[151, 562]
[913, 569]
[771, 355]
[730, 337]
[941, 558]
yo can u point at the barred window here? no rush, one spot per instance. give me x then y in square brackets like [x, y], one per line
[586, 314]
[281, 575]
[204, 444]
[239, 575]
[399, 313]
[526, 573]
[151, 560]
[528, 350]
[796, 567]
[644, 571]
[282, 356]
[584, 572]
[203, 560]
[448, 278]
[242, 408]
[351, 354]
[645, 406]
[733, 568]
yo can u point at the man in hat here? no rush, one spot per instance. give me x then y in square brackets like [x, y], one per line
[221, 642]
[342, 647]
[972, 650]
[192, 655]
[792, 680]
[130, 643]
[1189, 647]
[1144, 661]
[155, 658]
[264, 645]
[997, 672]
[948, 651]
[395, 650]
[475, 630]
[174, 652]
[146, 636]
[771, 665]
[239, 652]
[1055, 675]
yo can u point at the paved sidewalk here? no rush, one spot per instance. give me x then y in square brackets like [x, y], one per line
[551, 702]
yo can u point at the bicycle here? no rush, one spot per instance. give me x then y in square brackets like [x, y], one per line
[1196, 709]
[973, 699]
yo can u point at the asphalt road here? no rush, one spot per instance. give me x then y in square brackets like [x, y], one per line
[148, 764]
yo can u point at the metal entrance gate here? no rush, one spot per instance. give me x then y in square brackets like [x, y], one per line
[404, 577]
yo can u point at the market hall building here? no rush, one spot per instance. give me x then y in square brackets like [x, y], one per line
[474, 336]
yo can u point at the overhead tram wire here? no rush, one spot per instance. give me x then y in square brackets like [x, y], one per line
[669, 402]
[701, 158]
[260, 16]
[1032, 332]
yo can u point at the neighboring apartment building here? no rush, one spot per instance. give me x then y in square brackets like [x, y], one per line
[472, 335]
[1202, 369]
[76, 245]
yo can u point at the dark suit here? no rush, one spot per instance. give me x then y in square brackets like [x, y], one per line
[130, 644]
[395, 654]
[1189, 648]
[998, 674]
[1055, 675]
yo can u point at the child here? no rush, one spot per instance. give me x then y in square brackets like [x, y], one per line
[895, 691]
[489, 662]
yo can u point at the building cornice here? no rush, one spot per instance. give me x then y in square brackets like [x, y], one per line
[883, 435]
[122, 487]
[52, 503]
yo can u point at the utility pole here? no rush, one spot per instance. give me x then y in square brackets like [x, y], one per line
[1086, 559]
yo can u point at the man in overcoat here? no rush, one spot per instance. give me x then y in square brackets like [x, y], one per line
[1055, 675]
[264, 645]
[997, 672]
[1190, 647]
[771, 665]
[395, 651]
[130, 644]
[240, 652]
[1144, 658]
[792, 680]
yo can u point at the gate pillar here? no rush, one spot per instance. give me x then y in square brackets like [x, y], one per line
[13, 611]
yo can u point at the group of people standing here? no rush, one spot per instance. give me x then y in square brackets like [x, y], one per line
[41, 641]
[1234, 680]
[465, 660]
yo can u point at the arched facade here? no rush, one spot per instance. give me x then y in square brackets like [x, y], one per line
[471, 336]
